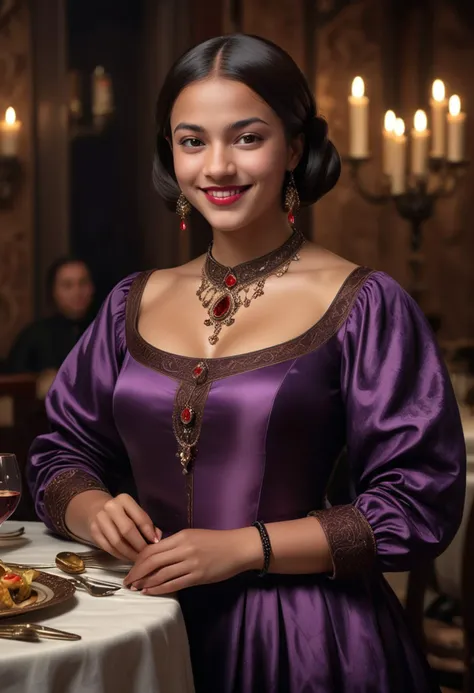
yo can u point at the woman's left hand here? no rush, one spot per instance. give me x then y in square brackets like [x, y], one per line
[195, 557]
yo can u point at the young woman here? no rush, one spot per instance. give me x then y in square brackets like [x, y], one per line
[231, 385]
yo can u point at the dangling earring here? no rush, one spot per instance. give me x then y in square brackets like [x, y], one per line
[183, 210]
[292, 199]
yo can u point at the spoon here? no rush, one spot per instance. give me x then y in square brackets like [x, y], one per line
[72, 564]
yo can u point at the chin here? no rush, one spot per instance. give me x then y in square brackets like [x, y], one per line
[230, 221]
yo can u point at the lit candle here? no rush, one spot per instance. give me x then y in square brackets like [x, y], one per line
[359, 120]
[389, 126]
[438, 119]
[419, 145]
[399, 151]
[9, 133]
[456, 122]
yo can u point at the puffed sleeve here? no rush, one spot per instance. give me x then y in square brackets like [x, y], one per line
[83, 450]
[405, 442]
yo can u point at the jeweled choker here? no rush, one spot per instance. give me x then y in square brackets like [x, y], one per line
[224, 290]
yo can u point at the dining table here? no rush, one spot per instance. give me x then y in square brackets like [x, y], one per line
[129, 642]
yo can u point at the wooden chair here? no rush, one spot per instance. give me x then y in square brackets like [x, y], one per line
[449, 647]
[22, 418]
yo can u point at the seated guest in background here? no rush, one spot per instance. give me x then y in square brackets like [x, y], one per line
[44, 344]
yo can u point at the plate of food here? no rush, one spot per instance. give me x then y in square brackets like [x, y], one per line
[22, 591]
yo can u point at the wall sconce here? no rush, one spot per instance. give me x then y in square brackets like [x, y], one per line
[10, 169]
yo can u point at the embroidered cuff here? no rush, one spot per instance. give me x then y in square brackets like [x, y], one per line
[350, 538]
[61, 490]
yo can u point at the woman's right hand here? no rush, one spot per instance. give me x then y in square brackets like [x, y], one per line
[122, 528]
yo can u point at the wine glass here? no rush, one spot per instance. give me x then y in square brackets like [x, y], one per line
[10, 485]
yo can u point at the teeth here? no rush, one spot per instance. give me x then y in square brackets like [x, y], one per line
[223, 193]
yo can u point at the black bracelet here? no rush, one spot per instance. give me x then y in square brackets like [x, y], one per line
[267, 547]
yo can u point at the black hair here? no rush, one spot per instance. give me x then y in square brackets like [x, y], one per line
[270, 72]
[55, 267]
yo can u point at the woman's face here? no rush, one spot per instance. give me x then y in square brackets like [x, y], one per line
[230, 152]
[73, 290]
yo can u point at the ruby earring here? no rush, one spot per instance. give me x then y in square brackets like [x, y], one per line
[183, 210]
[292, 199]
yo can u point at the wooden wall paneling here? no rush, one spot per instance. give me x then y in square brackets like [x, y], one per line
[16, 224]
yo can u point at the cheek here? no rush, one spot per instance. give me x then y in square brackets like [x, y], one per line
[186, 167]
[265, 166]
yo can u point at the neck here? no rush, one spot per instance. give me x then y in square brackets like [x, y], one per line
[231, 248]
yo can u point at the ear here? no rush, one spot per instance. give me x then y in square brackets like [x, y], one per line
[295, 152]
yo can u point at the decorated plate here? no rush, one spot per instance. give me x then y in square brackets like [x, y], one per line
[47, 590]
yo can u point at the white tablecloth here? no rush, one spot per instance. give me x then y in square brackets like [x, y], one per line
[130, 643]
[449, 564]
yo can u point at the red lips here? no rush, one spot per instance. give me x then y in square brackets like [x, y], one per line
[226, 195]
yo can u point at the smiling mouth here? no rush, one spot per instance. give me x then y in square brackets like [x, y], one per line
[225, 196]
[226, 192]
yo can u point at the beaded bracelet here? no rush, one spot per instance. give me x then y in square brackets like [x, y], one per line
[267, 547]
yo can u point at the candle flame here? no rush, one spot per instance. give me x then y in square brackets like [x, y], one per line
[358, 87]
[10, 116]
[420, 121]
[399, 128]
[438, 90]
[454, 105]
[389, 121]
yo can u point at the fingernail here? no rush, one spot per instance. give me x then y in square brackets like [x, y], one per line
[156, 540]
[133, 588]
[144, 592]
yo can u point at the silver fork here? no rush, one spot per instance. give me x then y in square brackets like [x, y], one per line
[94, 588]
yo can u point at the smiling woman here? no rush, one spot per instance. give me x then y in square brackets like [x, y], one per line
[233, 434]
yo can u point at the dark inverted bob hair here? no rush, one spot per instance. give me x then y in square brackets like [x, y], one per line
[272, 74]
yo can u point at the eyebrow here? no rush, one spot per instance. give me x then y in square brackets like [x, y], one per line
[234, 126]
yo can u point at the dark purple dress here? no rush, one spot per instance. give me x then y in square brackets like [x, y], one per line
[269, 427]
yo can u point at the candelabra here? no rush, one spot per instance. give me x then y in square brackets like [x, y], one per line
[416, 205]
[431, 178]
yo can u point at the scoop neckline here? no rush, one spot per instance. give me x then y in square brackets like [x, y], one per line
[180, 366]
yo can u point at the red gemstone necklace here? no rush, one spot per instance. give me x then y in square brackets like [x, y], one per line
[224, 290]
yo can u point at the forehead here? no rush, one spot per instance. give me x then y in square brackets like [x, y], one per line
[72, 269]
[219, 101]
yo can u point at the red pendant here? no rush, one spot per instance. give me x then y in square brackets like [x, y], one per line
[222, 308]
[291, 218]
[187, 416]
[183, 226]
[230, 281]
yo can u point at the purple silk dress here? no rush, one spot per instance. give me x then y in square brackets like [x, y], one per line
[269, 427]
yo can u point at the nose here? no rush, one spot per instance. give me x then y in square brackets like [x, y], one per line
[219, 163]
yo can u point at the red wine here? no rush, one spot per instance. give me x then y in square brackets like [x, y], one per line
[8, 502]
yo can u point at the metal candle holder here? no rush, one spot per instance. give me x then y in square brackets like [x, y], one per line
[416, 205]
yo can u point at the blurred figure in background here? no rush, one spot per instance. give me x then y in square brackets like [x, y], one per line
[44, 344]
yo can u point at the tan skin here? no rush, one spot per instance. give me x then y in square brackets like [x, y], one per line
[257, 154]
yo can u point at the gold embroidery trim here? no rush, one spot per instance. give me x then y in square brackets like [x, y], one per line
[61, 490]
[351, 540]
[181, 367]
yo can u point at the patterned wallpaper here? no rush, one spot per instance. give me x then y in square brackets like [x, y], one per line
[16, 224]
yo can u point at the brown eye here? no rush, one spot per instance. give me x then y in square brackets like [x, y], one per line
[249, 139]
[191, 142]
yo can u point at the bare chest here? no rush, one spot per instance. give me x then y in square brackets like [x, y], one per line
[178, 322]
